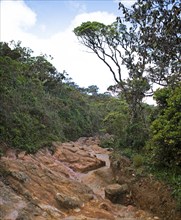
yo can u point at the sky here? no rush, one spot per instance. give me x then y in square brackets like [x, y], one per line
[46, 26]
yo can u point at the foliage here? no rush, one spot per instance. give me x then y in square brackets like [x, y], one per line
[107, 141]
[117, 123]
[116, 119]
[117, 46]
[38, 107]
[157, 23]
[26, 120]
[166, 129]
[137, 160]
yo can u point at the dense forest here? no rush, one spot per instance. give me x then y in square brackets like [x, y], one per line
[40, 105]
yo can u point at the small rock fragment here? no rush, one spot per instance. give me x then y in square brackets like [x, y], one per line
[68, 202]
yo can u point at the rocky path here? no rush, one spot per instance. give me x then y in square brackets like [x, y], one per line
[67, 181]
[99, 178]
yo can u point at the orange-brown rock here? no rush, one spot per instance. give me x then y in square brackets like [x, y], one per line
[49, 184]
[79, 158]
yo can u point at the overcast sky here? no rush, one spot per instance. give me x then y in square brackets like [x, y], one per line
[46, 26]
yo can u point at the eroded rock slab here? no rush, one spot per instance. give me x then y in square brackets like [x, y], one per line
[81, 158]
[47, 185]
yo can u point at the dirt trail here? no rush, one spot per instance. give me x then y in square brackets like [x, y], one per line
[67, 181]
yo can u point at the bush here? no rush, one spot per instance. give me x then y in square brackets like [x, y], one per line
[166, 129]
[138, 160]
[107, 141]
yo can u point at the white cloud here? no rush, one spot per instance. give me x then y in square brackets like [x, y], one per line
[16, 19]
[85, 68]
[43, 27]
[99, 16]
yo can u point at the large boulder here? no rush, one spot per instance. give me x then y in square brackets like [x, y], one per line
[117, 193]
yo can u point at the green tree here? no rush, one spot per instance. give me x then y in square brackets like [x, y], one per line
[116, 120]
[166, 128]
[93, 90]
[118, 46]
[158, 24]
[27, 119]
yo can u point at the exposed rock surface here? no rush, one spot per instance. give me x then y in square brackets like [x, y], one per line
[68, 202]
[55, 184]
[117, 193]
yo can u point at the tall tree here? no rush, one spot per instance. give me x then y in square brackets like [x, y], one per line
[117, 46]
[158, 24]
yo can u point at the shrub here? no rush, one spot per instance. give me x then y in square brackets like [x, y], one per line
[166, 129]
[138, 160]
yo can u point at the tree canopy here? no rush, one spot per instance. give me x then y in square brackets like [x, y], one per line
[158, 24]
